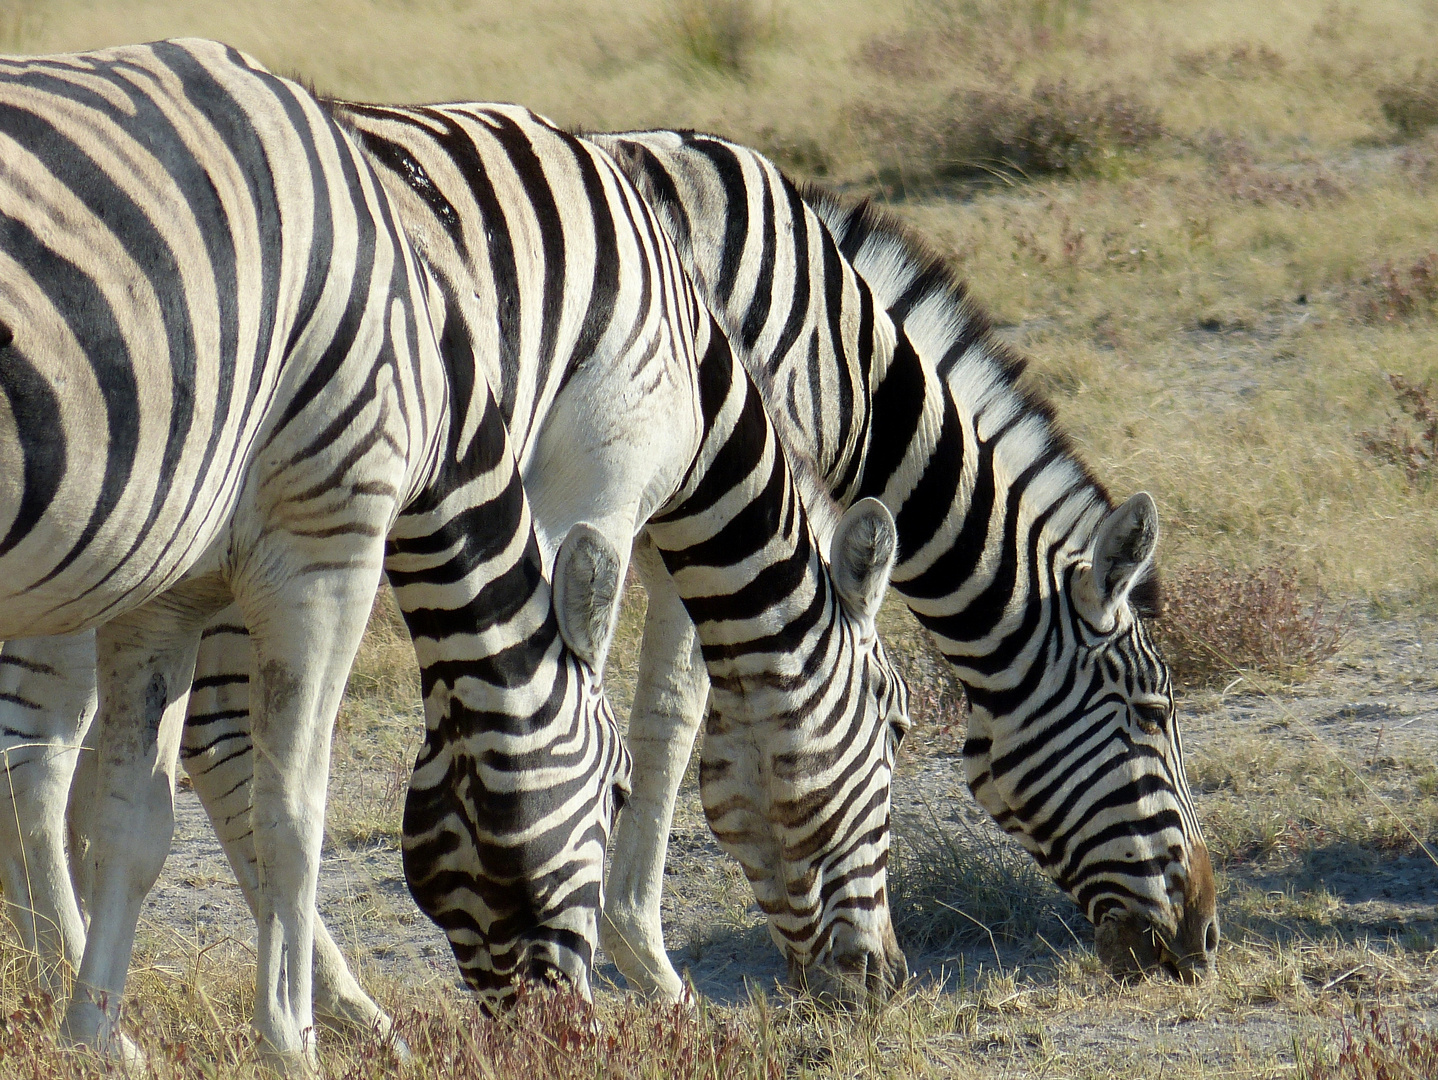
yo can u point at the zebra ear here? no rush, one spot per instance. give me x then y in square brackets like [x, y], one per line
[1123, 549]
[586, 593]
[861, 555]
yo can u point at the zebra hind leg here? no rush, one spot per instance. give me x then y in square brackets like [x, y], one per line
[668, 704]
[47, 700]
[305, 627]
[217, 753]
[144, 661]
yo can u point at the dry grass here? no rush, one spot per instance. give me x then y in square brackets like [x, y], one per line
[1289, 806]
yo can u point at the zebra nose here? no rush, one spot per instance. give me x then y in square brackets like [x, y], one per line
[1198, 950]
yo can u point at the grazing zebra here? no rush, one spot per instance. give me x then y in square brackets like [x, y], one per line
[1010, 552]
[218, 383]
[604, 357]
[629, 411]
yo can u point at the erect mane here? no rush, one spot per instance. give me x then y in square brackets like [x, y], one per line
[928, 301]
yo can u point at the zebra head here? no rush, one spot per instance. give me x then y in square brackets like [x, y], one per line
[1087, 769]
[509, 814]
[805, 808]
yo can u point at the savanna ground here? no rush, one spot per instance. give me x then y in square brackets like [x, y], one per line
[1212, 228]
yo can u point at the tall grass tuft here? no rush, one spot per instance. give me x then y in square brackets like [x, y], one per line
[717, 35]
[955, 884]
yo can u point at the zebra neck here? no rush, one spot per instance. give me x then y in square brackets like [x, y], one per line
[992, 504]
[466, 568]
[738, 543]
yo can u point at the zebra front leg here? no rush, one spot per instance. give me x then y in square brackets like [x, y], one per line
[218, 756]
[305, 629]
[144, 662]
[669, 698]
[47, 700]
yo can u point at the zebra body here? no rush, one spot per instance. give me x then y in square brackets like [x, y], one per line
[219, 381]
[1010, 553]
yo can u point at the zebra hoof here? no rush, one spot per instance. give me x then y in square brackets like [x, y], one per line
[291, 1064]
[87, 1026]
[857, 976]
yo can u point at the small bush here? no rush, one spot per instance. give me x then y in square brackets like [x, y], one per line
[1217, 622]
[1238, 61]
[716, 35]
[1419, 160]
[1409, 441]
[1056, 128]
[556, 1035]
[1375, 1049]
[1393, 292]
[1411, 106]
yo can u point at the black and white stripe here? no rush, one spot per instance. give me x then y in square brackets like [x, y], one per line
[557, 285]
[602, 350]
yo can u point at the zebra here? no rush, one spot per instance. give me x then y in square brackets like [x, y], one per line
[1028, 577]
[781, 642]
[220, 381]
[801, 684]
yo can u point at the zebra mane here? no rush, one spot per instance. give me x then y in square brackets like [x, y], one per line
[929, 302]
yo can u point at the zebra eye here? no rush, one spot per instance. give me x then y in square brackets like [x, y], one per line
[899, 724]
[1149, 716]
[897, 731]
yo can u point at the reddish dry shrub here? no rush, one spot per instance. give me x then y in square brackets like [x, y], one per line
[556, 1035]
[1391, 292]
[1377, 1050]
[1055, 128]
[1302, 185]
[1218, 621]
[1241, 60]
[1410, 441]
